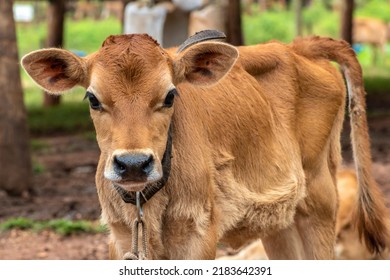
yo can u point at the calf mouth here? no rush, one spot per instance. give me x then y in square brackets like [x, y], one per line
[132, 186]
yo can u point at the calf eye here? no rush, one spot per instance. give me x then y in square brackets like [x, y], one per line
[93, 101]
[168, 102]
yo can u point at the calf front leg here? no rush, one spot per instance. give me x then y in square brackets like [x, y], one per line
[186, 240]
[121, 243]
[180, 241]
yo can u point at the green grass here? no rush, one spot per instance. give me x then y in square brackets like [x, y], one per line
[60, 226]
[70, 117]
[89, 135]
[37, 167]
[259, 28]
[374, 8]
[375, 85]
[17, 223]
[279, 24]
[38, 145]
[93, 34]
[84, 35]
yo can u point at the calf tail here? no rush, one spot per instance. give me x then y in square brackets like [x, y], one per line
[371, 211]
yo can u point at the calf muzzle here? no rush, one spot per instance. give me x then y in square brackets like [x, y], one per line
[133, 167]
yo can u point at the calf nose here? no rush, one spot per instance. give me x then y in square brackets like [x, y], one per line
[133, 167]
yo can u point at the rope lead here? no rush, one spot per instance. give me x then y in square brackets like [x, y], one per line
[135, 253]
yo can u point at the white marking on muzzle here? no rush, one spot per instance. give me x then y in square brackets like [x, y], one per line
[154, 175]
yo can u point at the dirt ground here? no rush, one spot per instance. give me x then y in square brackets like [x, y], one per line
[65, 188]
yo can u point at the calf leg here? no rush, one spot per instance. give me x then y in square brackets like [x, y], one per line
[312, 236]
[318, 238]
[120, 241]
[285, 244]
[316, 216]
[183, 240]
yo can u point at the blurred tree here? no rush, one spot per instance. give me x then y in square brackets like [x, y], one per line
[55, 20]
[263, 5]
[124, 3]
[298, 17]
[15, 162]
[234, 30]
[347, 20]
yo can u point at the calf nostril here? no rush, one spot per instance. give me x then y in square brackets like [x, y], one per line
[120, 166]
[147, 166]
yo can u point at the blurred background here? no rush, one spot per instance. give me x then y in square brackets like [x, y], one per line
[48, 151]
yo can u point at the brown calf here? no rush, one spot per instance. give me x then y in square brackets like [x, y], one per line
[373, 32]
[348, 245]
[243, 142]
[370, 31]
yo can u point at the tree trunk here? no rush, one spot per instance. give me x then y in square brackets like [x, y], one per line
[347, 20]
[55, 19]
[15, 162]
[122, 19]
[234, 30]
[298, 18]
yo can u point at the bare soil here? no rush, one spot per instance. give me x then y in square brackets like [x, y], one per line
[65, 188]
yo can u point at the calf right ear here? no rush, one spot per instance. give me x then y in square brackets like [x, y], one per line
[55, 70]
[204, 63]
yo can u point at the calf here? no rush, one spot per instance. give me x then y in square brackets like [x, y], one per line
[370, 31]
[373, 32]
[211, 143]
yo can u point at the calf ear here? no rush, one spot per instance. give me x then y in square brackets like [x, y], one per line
[55, 70]
[204, 63]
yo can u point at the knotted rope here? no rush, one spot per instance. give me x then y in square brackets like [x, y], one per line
[139, 228]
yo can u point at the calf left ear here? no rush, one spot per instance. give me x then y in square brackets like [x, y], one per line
[55, 70]
[204, 63]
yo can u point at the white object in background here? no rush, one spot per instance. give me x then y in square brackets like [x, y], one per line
[189, 5]
[23, 12]
[144, 19]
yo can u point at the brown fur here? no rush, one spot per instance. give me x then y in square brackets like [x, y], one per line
[256, 142]
[348, 245]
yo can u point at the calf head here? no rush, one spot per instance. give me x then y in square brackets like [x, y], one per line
[130, 84]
